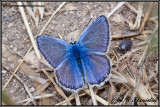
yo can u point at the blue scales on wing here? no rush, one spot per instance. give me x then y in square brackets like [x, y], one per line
[96, 37]
[97, 68]
[80, 63]
[53, 49]
[55, 52]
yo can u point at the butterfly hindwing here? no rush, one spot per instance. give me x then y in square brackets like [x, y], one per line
[96, 37]
[68, 75]
[96, 68]
[53, 49]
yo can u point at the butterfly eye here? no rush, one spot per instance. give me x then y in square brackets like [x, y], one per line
[125, 46]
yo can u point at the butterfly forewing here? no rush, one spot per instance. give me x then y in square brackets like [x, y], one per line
[53, 49]
[96, 37]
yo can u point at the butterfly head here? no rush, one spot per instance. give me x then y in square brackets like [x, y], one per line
[73, 42]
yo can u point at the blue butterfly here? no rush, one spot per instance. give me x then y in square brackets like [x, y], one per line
[82, 63]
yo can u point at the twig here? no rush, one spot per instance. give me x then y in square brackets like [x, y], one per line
[130, 34]
[116, 8]
[57, 87]
[146, 17]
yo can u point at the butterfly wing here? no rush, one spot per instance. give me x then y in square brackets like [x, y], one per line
[53, 49]
[95, 40]
[68, 75]
[56, 52]
[96, 68]
[96, 37]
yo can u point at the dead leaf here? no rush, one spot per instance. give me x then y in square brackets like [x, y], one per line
[31, 59]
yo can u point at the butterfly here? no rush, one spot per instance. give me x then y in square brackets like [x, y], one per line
[81, 63]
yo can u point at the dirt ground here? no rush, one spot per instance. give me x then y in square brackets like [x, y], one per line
[69, 22]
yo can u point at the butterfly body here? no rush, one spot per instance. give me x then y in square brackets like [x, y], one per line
[76, 53]
[80, 63]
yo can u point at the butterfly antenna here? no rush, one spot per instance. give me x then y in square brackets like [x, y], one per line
[72, 41]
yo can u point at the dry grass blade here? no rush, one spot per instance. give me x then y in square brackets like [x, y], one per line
[77, 99]
[116, 8]
[39, 58]
[124, 99]
[101, 100]
[36, 97]
[92, 95]
[129, 53]
[70, 98]
[16, 69]
[31, 46]
[60, 6]
[42, 87]
[60, 91]
[112, 91]
[36, 13]
[30, 12]
[38, 79]
[25, 86]
[41, 9]
[138, 19]
[132, 8]
[142, 91]
[146, 17]
[141, 43]
[150, 46]
[28, 29]
[118, 79]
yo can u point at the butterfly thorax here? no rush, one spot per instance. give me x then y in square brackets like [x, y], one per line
[75, 52]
